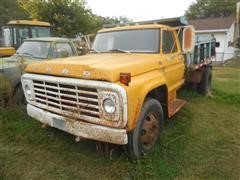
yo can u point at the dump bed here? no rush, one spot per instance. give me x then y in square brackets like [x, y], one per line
[203, 53]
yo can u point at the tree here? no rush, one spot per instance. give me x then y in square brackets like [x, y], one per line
[211, 8]
[110, 20]
[68, 17]
[10, 10]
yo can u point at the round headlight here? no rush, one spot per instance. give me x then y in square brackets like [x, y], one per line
[28, 90]
[109, 105]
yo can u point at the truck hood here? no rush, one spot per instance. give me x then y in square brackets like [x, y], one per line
[106, 66]
[12, 61]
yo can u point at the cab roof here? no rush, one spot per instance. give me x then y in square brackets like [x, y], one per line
[129, 27]
[29, 22]
[48, 39]
[156, 23]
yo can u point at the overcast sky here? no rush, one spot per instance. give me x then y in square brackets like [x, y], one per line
[139, 10]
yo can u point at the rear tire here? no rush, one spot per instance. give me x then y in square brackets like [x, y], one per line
[147, 130]
[206, 81]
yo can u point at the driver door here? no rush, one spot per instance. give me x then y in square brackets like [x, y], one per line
[172, 55]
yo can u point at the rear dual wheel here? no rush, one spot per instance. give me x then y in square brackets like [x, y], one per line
[148, 129]
[205, 84]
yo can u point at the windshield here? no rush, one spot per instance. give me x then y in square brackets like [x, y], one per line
[41, 31]
[139, 41]
[35, 49]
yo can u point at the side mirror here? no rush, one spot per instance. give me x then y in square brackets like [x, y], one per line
[188, 39]
[217, 44]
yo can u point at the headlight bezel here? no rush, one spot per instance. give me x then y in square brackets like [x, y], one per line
[29, 93]
[114, 116]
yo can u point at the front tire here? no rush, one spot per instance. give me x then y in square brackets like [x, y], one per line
[19, 98]
[147, 130]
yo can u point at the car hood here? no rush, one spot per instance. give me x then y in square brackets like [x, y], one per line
[105, 66]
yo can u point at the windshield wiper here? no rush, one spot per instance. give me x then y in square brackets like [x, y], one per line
[120, 50]
[27, 54]
[23, 54]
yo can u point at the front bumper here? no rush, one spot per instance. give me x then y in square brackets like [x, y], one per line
[78, 128]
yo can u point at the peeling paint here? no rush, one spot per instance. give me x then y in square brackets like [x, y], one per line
[138, 109]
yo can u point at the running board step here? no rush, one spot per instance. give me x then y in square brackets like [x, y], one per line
[174, 106]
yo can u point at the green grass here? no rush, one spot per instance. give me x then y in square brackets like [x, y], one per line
[226, 84]
[201, 142]
[234, 62]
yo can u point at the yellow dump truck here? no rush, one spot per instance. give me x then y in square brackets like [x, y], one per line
[15, 32]
[121, 91]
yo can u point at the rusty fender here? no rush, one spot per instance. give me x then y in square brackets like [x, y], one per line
[78, 128]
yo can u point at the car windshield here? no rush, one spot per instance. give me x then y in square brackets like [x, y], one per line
[138, 41]
[35, 49]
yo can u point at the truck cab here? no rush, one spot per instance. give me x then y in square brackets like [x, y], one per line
[15, 32]
[120, 92]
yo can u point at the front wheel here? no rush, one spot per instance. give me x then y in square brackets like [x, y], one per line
[19, 98]
[147, 131]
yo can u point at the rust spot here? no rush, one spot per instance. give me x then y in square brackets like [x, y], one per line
[174, 106]
[137, 111]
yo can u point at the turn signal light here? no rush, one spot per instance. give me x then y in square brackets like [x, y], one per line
[125, 78]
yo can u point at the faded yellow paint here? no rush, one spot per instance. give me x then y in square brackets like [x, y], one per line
[106, 66]
[7, 51]
[148, 71]
[137, 91]
[28, 22]
[149, 26]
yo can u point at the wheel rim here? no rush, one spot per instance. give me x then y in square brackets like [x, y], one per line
[150, 130]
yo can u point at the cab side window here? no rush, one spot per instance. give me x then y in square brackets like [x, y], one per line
[62, 47]
[168, 43]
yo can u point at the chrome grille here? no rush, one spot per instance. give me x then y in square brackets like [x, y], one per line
[67, 100]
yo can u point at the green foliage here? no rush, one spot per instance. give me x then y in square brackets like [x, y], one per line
[211, 8]
[68, 17]
[111, 20]
[100, 21]
[10, 10]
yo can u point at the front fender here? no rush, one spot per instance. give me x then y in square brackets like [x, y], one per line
[137, 91]
[12, 77]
